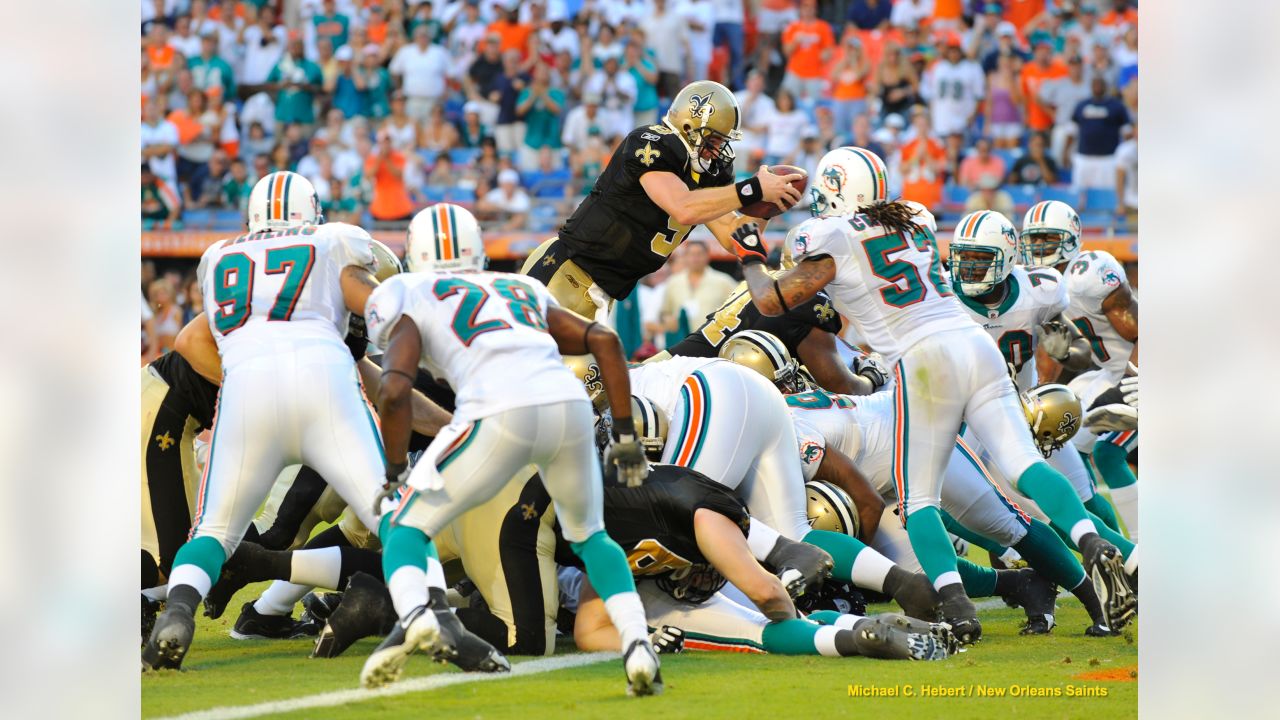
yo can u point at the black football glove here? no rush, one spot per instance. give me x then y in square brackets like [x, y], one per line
[357, 339]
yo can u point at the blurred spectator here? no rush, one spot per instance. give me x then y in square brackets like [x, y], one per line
[850, 72]
[280, 157]
[160, 53]
[699, 19]
[953, 145]
[1006, 45]
[1121, 13]
[261, 166]
[510, 128]
[331, 25]
[989, 196]
[466, 30]
[1021, 12]
[617, 92]
[481, 78]
[584, 121]
[507, 204]
[953, 87]
[385, 168]
[981, 163]
[1099, 119]
[1042, 68]
[1127, 177]
[910, 13]
[550, 177]
[443, 174]
[785, 128]
[257, 142]
[604, 44]
[644, 73]
[727, 32]
[192, 299]
[437, 134]
[1061, 96]
[209, 70]
[1036, 167]
[1101, 64]
[774, 17]
[421, 68]
[208, 194]
[346, 96]
[697, 288]
[309, 164]
[898, 82]
[159, 142]
[263, 44]
[236, 186]
[541, 107]
[825, 129]
[1125, 55]
[1088, 31]
[947, 15]
[664, 34]
[374, 83]
[423, 15]
[297, 81]
[514, 34]
[198, 129]
[1003, 115]
[808, 44]
[473, 132]
[809, 152]
[869, 14]
[159, 201]
[557, 37]
[167, 313]
[179, 90]
[922, 164]
[617, 12]
[756, 107]
[401, 127]
[588, 163]
[485, 168]
[862, 136]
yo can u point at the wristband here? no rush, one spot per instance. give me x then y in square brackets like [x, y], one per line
[778, 291]
[393, 371]
[624, 426]
[394, 470]
[748, 191]
[586, 333]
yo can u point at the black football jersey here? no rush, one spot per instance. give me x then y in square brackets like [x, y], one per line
[738, 313]
[618, 235]
[193, 394]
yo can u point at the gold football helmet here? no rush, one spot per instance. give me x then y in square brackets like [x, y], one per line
[830, 508]
[588, 372]
[1054, 414]
[764, 353]
[706, 117]
[651, 426]
[387, 264]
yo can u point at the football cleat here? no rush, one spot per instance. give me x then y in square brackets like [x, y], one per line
[150, 608]
[317, 607]
[418, 631]
[891, 636]
[918, 597]
[644, 673]
[253, 625]
[1105, 566]
[1037, 597]
[365, 611]
[667, 640]
[169, 641]
[1100, 630]
[472, 653]
[959, 612]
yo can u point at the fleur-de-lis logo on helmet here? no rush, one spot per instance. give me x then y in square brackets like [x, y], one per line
[1069, 424]
[700, 106]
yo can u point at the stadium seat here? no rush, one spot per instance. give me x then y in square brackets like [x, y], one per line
[1060, 192]
[464, 156]
[1009, 156]
[1100, 200]
[1024, 196]
[436, 193]
[227, 219]
[199, 218]
[953, 196]
[428, 157]
[460, 195]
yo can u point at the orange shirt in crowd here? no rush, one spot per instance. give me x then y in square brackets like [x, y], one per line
[1033, 76]
[777, 5]
[873, 42]
[376, 32]
[806, 60]
[390, 199]
[948, 9]
[188, 127]
[845, 83]
[924, 183]
[1111, 18]
[515, 36]
[1021, 12]
[161, 57]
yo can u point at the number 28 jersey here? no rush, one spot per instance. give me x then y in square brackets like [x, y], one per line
[1035, 296]
[280, 286]
[890, 285]
[484, 333]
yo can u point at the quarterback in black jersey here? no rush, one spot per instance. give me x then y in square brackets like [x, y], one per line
[662, 181]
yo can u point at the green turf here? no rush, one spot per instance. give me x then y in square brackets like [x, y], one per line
[220, 671]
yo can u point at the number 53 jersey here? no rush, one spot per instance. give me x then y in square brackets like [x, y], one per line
[484, 333]
[889, 284]
[280, 286]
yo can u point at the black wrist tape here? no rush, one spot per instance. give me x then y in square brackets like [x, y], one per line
[623, 426]
[781, 301]
[748, 191]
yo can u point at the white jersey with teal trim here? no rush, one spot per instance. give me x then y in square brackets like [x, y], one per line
[1034, 297]
[1092, 277]
[890, 286]
[485, 333]
[860, 426]
[276, 286]
[660, 381]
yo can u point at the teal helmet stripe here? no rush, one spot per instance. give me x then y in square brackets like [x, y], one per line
[288, 180]
[875, 185]
[453, 230]
[435, 234]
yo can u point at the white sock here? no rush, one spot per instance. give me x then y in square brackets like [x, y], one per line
[1131, 562]
[1080, 529]
[192, 575]
[825, 641]
[761, 538]
[280, 598]
[1126, 501]
[318, 567]
[435, 574]
[627, 613]
[846, 621]
[947, 578]
[159, 592]
[408, 586]
[1010, 556]
[870, 569]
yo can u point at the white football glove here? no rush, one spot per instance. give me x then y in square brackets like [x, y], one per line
[1055, 338]
[667, 640]
[1116, 417]
[1129, 386]
[872, 367]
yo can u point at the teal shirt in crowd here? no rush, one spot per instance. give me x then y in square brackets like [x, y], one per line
[375, 99]
[646, 92]
[542, 127]
[214, 71]
[334, 27]
[294, 105]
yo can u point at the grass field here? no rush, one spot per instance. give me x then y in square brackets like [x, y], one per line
[221, 673]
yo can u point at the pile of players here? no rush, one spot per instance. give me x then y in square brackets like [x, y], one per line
[751, 489]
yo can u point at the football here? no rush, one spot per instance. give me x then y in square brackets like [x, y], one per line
[767, 210]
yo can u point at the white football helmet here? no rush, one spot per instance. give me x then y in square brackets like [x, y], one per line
[848, 179]
[444, 237]
[984, 250]
[283, 200]
[1050, 234]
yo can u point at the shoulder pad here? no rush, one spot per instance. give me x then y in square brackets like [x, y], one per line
[382, 312]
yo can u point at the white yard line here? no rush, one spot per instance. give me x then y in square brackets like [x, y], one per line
[421, 684]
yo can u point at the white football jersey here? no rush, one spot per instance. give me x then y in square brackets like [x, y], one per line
[953, 92]
[660, 381]
[280, 285]
[860, 426]
[1091, 277]
[891, 287]
[1035, 296]
[484, 333]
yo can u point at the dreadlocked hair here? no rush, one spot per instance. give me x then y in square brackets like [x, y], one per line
[895, 216]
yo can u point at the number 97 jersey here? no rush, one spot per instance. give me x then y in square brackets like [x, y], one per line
[283, 285]
[484, 333]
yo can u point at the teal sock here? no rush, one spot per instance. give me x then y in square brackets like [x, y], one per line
[929, 540]
[825, 617]
[978, 581]
[607, 566]
[842, 549]
[1045, 551]
[1124, 544]
[1103, 510]
[205, 553]
[404, 546]
[1112, 462]
[790, 637]
[955, 528]
[1053, 493]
